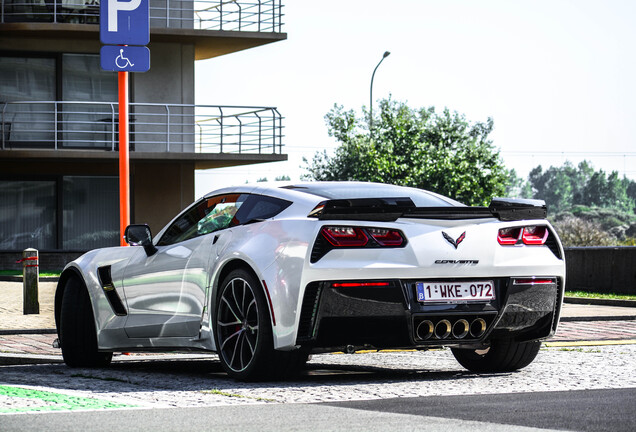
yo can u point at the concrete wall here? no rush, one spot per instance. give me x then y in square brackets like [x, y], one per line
[601, 269]
[161, 191]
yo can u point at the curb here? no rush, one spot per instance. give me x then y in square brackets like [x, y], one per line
[598, 318]
[28, 359]
[599, 302]
[7, 332]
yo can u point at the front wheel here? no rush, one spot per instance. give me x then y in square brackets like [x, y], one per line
[503, 355]
[78, 336]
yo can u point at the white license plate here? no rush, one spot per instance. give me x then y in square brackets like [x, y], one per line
[455, 291]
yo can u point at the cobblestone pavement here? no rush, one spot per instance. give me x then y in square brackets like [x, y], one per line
[11, 309]
[594, 332]
[330, 377]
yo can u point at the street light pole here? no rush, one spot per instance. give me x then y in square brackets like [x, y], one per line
[385, 55]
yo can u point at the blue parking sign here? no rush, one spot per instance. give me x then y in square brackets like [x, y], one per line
[125, 58]
[124, 22]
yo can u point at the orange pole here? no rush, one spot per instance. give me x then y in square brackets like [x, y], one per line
[124, 171]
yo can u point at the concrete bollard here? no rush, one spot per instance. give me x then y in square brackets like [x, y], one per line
[30, 280]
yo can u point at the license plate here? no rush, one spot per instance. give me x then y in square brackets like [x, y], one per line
[455, 291]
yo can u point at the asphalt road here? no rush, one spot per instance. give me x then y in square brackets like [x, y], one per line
[567, 388]
[589, 410]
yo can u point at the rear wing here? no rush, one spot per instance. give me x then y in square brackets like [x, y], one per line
[391, 209]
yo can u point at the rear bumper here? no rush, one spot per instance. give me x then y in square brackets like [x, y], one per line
[390, 316]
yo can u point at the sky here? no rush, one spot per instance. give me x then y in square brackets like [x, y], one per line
[558, 77]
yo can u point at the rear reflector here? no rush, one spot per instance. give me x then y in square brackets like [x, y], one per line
[532, 281]
[358, 284]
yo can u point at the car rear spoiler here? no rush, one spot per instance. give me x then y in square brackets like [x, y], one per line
[391, 209]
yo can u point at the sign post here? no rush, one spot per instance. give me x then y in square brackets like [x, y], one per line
[124, 23]
[124, 165]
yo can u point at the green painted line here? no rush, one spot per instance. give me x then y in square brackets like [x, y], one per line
[41, 400]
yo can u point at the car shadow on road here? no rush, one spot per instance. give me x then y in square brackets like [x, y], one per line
[206, 375]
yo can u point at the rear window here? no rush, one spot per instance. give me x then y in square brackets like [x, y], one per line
[261, 207]
[346, 190]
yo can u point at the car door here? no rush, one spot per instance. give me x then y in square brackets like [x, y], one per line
[166, 292]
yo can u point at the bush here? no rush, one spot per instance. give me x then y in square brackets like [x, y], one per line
[575, 231]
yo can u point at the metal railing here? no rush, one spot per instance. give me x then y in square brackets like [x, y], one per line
[153, 127]
[225, 15]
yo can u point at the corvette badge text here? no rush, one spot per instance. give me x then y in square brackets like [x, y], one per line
[466, 262]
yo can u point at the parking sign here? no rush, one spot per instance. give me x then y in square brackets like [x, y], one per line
[124, 22]
[125, 58]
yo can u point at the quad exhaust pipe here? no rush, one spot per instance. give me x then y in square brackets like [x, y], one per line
[477, 327]
[444, 329]
[460, 329]
[425, 330]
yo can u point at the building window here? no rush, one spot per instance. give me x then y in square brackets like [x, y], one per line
[64, 213]
[83, 80]
[91, 212]
[27, 79]
[35, 89]
[27, 215]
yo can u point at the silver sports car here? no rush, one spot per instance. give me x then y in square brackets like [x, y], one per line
[266, 275]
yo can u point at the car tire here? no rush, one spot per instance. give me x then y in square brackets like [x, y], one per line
[503, 355]
[244, 336]
[77, 333]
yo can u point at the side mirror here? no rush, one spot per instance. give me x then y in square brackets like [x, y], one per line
[140, 235]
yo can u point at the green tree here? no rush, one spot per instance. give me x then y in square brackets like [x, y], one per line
[564, 187]
[442, 152]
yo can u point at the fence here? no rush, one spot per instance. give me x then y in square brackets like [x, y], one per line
[601, 269]
[233, 15]
[153, 127]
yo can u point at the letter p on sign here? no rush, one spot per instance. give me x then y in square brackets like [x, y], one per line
[124, 22]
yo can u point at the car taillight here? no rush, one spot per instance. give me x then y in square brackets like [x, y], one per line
[333, 237]
[386, 237]
[345, 236]
[508, 236]
[530, 235]
[534, 235]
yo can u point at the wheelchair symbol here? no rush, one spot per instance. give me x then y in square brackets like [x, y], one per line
[121, 59]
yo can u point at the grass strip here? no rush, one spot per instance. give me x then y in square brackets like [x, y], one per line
[586, 294]
[41, 400]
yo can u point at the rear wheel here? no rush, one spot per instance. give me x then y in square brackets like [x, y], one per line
[503, 355]
[244, 336]
[78, 336]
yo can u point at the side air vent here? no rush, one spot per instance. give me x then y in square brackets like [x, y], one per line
[106, 281]
[309, 311]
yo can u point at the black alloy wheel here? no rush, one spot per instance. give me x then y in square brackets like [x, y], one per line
[238, 322]
[77, 332]
[244, 334]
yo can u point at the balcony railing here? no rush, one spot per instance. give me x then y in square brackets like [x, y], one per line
[153, 127]
[228, 15]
